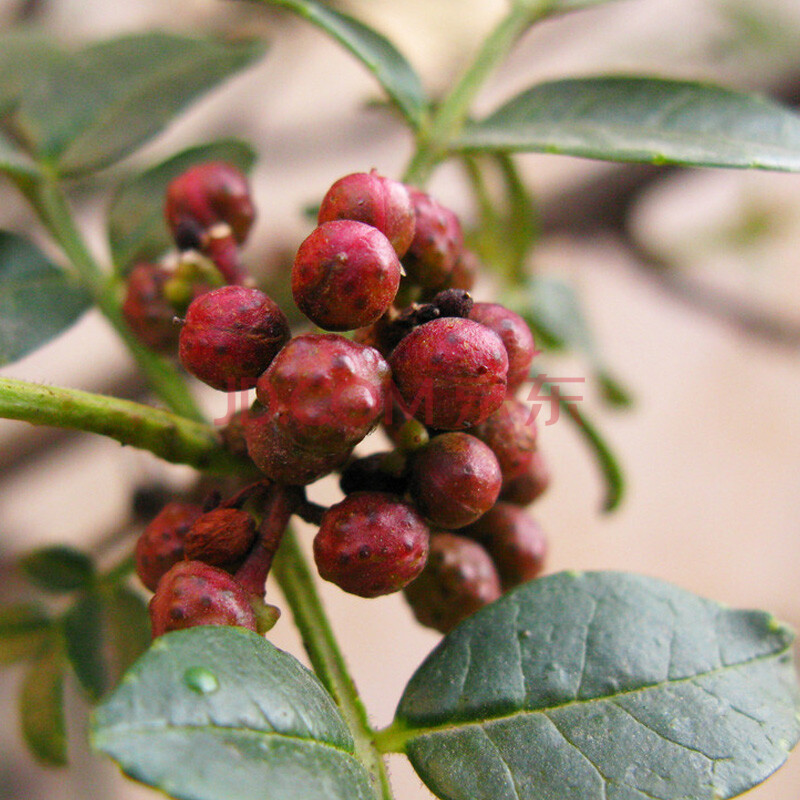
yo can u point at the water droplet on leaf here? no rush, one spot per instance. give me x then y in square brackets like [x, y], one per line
[201, 680]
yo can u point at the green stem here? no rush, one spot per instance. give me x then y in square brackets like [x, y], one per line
[163, 378]
[453, 112]
[169, 436]
[295, 579]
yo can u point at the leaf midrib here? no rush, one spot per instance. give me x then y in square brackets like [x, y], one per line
[408, 733]
[107, 733]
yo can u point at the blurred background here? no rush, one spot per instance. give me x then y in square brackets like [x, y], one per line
[688, 281]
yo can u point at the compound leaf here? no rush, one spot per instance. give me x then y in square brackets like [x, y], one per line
[38, 301]
[601, 686]
[643, 119]
[375, 51]
[136, 227]
[211, 713]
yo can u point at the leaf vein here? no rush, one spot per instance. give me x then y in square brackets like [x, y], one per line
[418, 732]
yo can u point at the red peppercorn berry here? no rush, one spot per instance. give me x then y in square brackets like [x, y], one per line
[514, 540]
[437, 244]
[516, 335]
[325, 393]
[454, 479]
[371, 544]
[345, 275]
[451, 372]
[230, 336]
[530, 485]
[374, 200]
[511, 434]
[193, 593]
[458, 579]
[160, 545]
[147, 310]
[206, 195]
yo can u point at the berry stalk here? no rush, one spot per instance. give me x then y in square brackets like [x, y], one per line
[297, 584]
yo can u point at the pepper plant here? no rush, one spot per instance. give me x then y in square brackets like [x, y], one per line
[573, 685]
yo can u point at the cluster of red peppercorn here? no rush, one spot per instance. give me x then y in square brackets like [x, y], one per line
[439, 516]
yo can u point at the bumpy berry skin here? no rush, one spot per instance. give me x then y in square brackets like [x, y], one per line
[369, 474]
[371, 544]
[221, 538]
[206, 195]
[458, 579]
[516, 336]
[437, 244]
[160, 545]
[193, 593]
[147, 311]
[514, 540]
[374, 200]
[455, 479]
[324, 392]
[450, 373]
[530, 485]
[465, 272]
[345, 275]
[511, 434]
[230, 336]
[279, 456]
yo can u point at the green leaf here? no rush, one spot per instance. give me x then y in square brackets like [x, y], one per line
[88, 110]
[214, 713]
[83, 633]
[136, 227]
[602, 686]
[23, 630]
[38, 301]
[23, 46]
[41, 706]
[129, 625]
[58, 568]
[375, 51]
[643, 119]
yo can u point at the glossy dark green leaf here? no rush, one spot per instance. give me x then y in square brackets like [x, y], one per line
[91, 109]
[41, 706]
[83, 634]
[643, 119]
[129, 626]
[58, 568]
[136, 226]
[602, 686]
[375, 51]
[38, 301]
[214, 713]
[23, 630]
